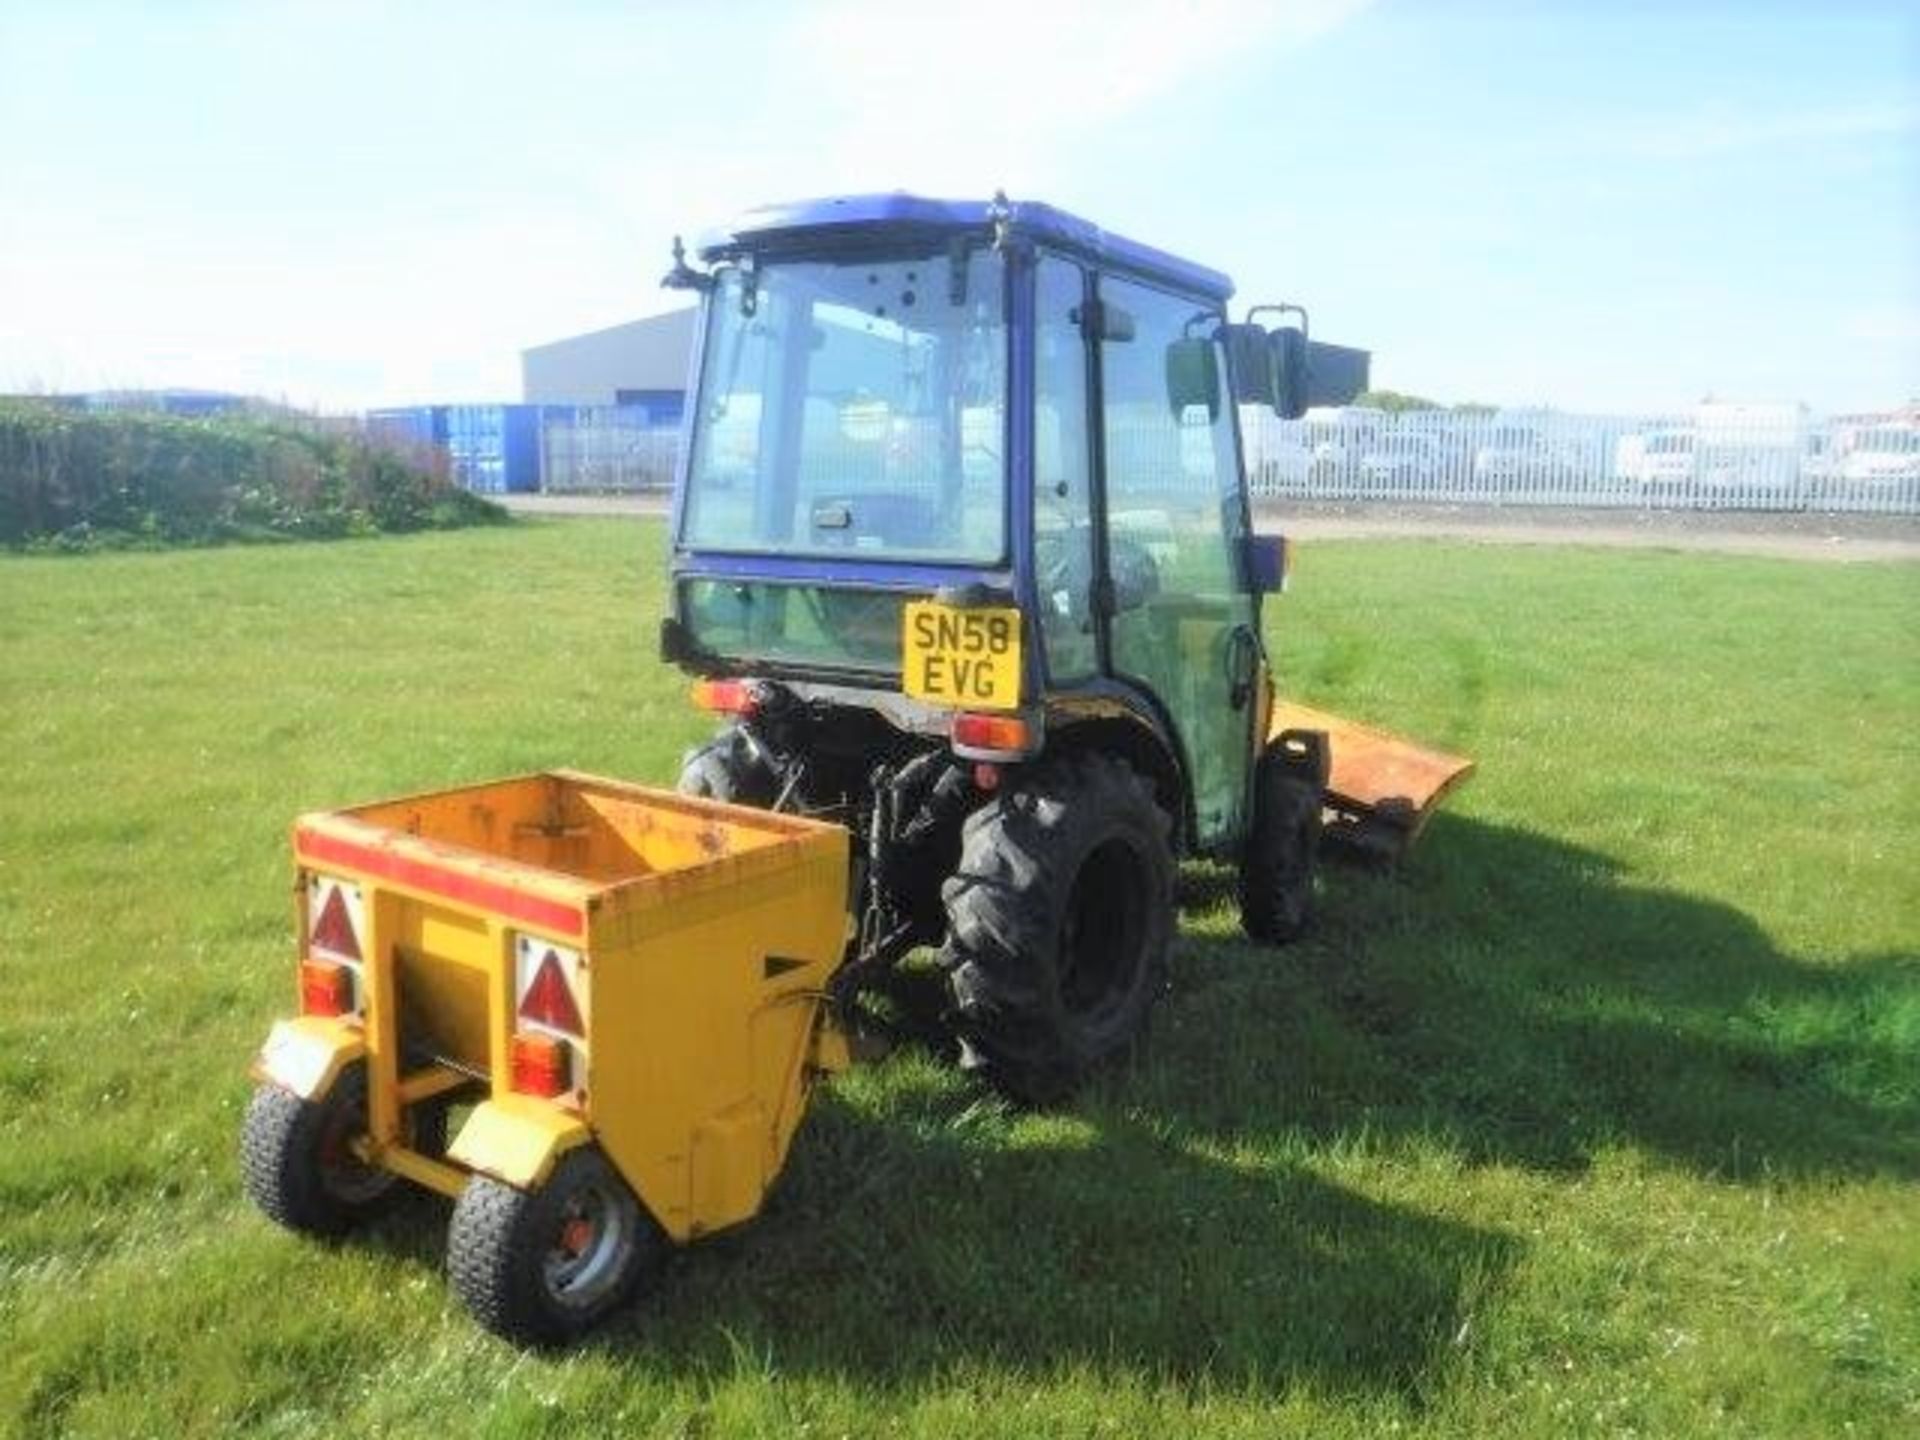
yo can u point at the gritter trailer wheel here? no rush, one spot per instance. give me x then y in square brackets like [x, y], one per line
[726, 768]
[544, 1266]
[297, 1162]
[1058, 923]
[1283, 842]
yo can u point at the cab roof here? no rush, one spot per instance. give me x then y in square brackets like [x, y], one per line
[824, 224]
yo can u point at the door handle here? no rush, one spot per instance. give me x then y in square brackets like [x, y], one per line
[1243, 662]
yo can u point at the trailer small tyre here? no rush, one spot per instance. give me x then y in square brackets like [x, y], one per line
[544, 1266]
[1283, 842]
[1058, 923]
[727, 768]
[297, 1162]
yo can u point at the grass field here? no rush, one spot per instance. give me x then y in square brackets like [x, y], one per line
[1603, 1117]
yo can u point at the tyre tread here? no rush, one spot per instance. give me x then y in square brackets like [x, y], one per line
[1276, 881]
[494, 1257]
[1002, 907]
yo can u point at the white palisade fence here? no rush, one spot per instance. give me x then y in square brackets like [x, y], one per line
[1713, 457]
[606, 450]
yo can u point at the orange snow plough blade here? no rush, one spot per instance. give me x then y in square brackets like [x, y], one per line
[1380, 788]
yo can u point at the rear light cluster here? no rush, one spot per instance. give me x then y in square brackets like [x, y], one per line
[330, 968]
[727, 697]
[994, 737]
[542, 1064]
[326, 988]
[548, 1049]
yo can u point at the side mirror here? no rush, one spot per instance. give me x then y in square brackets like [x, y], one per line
[1193, 376]
[1296, 373]
[1337, 374]
[1250, 359]
[1287, 353]
[1266, 564]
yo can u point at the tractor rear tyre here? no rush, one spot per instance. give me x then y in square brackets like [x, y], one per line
[297, 1161]
[728, 768]
[1283, 844]
[544, 1266]
[1058, 923]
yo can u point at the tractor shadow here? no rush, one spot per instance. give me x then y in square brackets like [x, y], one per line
[1521, 1001]
[1507, 997]
[935, 1233]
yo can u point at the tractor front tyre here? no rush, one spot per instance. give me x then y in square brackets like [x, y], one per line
[544, 1266]
[729, 767]
[1283, 842]
[297, 1160]
[1058, 923]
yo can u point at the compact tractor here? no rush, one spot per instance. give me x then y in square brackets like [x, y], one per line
[963, 556]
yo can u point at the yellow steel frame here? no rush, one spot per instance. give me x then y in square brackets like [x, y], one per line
[706, 960]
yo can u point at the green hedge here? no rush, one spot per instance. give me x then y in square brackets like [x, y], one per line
[77, 480]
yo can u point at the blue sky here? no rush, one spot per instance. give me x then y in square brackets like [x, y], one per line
[1590, 205]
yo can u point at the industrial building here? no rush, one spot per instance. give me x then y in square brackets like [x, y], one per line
[599, 411]
[641, 365]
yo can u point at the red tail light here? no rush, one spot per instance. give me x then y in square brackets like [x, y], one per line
[542, 1065]
[1007, 734]
[326, 988]
[726, 697]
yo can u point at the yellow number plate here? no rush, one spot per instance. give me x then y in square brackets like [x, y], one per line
[961, 657]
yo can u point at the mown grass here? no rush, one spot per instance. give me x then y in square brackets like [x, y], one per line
[1602, 1117]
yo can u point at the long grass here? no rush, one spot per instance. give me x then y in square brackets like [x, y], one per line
[1603, 1116]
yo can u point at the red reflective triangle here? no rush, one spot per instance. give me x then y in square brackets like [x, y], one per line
[333, 931]
[549, 999]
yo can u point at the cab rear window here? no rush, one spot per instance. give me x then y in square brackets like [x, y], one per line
[804, 625]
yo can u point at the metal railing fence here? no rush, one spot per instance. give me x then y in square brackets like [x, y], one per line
[1713, 458]
[606, 450]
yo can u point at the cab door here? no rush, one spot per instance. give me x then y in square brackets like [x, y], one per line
[1178, 619]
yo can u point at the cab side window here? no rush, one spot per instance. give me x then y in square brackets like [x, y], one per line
[1174, 520]
[1062, 489]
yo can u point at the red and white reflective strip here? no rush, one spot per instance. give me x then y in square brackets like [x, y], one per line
[550, 987]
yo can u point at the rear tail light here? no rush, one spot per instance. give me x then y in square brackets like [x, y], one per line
[326, 988]
[997, 735]
[727, 697]
[336, 914]
[547, 1053]
[542, 1065]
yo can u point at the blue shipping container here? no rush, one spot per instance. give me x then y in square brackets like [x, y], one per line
[494, 449]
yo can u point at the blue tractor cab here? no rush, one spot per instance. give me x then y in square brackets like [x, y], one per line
[963, 556]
